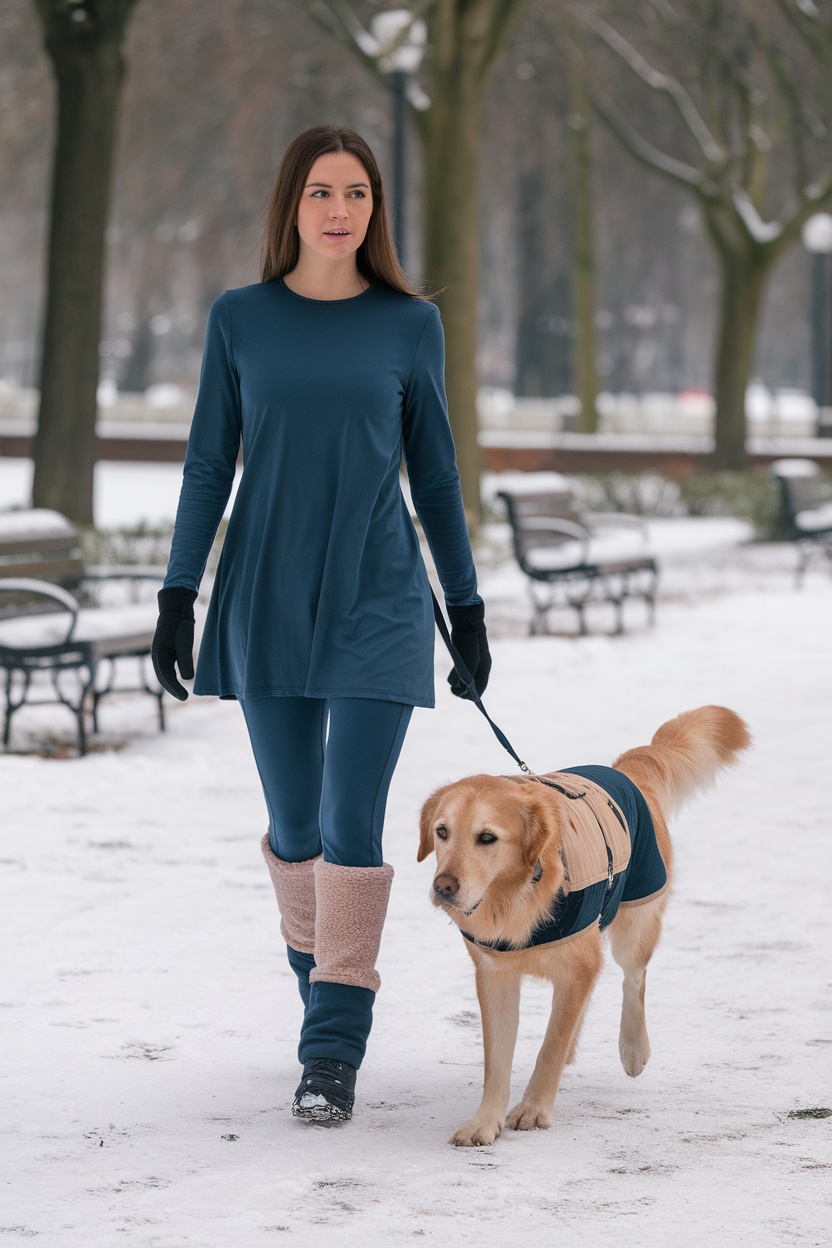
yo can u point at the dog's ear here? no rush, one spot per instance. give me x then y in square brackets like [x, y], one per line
[541, 824]
[426, 844]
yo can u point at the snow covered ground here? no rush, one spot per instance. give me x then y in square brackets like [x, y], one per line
[148, 1047]
[124, 493]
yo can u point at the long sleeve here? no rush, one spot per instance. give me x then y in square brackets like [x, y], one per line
[211, 457]
[432, 470]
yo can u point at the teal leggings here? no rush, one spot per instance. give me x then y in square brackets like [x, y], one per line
[326, 792]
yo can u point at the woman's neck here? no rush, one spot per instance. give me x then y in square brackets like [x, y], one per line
[327, 283]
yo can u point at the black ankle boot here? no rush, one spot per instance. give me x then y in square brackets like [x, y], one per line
[326, 1092]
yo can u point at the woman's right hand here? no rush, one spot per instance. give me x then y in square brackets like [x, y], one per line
[469, 637]
[173, 641]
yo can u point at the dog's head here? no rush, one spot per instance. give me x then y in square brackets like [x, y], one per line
[489, 833]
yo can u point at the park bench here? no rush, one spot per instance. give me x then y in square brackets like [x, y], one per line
[52, 621]
[806, 497]
[574, 559]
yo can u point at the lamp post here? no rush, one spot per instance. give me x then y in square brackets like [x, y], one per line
[400, 45]
[817, 239]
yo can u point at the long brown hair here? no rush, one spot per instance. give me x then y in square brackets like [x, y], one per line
[376, 257]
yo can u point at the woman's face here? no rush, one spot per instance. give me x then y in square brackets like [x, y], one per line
[335, 205]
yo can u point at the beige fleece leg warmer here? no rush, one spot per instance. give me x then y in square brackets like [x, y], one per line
[351, 904]
[294, 888]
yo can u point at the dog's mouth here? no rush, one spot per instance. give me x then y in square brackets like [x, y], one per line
[450, 903]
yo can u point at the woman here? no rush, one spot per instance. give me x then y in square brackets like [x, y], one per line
[328, 369]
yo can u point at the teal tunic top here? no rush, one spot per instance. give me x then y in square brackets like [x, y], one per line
[321, 589]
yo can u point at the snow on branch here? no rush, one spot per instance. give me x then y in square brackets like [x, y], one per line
[338, 19]
[646, 152]
[761, 231]
[777, 233]
[656, 80]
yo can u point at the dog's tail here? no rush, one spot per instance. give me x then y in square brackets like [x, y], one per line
[685, 754]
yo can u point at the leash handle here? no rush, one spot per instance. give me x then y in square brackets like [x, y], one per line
[468, 681]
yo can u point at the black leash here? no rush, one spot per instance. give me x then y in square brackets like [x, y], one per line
[468, 681]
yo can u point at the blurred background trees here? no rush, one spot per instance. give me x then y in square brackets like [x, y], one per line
[83, 39]
[216, 90]
[464, 40]
[751, 109]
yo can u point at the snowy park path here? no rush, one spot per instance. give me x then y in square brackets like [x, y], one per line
[149, 1021]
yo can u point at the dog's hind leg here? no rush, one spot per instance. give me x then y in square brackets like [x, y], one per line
[573, 975]
[499, 996]
[634, 934]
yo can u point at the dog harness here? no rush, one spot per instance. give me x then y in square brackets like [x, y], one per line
[609, 852]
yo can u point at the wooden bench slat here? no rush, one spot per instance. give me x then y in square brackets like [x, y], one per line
[25, 546]
[44, 569]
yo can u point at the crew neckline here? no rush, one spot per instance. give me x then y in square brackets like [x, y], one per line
[306, 299]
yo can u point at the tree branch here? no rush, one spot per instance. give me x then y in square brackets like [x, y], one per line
[677, 170]
[71, 21]
[657, 81]
[341, 24]
[797, 121]
[813, 199]
[505, 22]
[338, 20]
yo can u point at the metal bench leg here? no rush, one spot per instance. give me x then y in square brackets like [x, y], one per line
[82, 736]
[11, 704]
[7, 710]
[7, 716]
[98, 694]
[537, 624]
[78, 708]
[158, 694]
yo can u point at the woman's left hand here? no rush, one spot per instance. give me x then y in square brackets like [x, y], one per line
[469, 636]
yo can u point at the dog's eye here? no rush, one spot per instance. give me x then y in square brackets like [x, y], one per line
[441, 832]
[486, 838]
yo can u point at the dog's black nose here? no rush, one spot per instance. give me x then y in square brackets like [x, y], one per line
[446, 885]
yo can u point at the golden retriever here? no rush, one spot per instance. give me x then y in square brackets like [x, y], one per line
[506, 848]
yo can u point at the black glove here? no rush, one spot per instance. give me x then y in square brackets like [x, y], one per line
[174, 638]
[468, 635]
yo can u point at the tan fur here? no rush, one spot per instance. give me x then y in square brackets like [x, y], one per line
[496, 900]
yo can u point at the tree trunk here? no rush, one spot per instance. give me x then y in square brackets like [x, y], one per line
[89, 76]
[583, 248]
[451, 253]
[742, 287]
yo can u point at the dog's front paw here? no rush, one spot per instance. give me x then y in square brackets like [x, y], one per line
[635, 1054]
[475, 1133]
[528, 1117]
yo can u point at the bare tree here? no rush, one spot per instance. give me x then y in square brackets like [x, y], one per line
[83, 39]
[751, 145]
[465, 38]
[583, 242]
